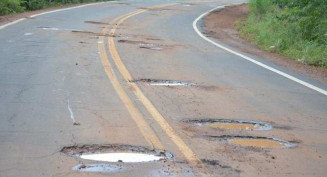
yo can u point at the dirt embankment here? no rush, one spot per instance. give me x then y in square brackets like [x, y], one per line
[221, 25]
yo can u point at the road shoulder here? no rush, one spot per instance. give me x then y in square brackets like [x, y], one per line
[13, 17]
[221, 25]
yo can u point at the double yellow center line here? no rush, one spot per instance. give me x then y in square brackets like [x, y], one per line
[144, 127]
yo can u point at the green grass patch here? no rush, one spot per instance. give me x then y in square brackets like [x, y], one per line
[17, 6]
[294, 28]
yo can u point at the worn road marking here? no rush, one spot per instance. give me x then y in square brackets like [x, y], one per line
[143, 126]
[251, 59]
[185, 150]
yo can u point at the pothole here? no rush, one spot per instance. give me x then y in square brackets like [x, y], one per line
[93, 33]
[46, 28]
[96, 23]
[152, 39]
[155, 9]
[85, 32]
[231, 124]
[123, 3]
[50, 28]
[130, 41]
[254, 141]
[123, 157]
[214, 162]
[149, 46]
[162, 82]
[101, 168]
[116, 153]
[142, 44]
[217, 163]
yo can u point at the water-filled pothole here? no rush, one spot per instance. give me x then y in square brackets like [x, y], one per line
[123, 157]
[231, 124]
[162, 82]
[101, 168]
[116, 153]
[254, 141]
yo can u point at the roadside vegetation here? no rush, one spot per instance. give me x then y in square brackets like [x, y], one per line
[17, 6]
[294, 28]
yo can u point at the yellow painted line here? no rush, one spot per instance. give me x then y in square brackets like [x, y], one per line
[183, 147]
[143, 126]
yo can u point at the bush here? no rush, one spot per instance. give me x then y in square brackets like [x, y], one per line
[10, 6]
[16, 6]
[36, 4]
[260, 6]
[297, 29]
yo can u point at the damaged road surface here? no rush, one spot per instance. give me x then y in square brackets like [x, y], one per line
[130, 88]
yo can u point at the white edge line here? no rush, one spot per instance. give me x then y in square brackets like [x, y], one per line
[250, 59]
[49, 12]
[12, 23]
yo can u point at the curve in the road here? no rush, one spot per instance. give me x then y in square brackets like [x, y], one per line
[48, 12]
[320, 90]
[170, 132]
[188, 153]
[140, 121]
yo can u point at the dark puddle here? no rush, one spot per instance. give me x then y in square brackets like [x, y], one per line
[116, 153]
[230, 124]
[253, 141]
[162, 82]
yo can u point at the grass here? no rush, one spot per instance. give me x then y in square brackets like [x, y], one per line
[17, 6]
[298, 31]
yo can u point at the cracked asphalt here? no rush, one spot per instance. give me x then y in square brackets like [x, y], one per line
[66, 80]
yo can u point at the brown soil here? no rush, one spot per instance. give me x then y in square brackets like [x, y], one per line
[221, 25]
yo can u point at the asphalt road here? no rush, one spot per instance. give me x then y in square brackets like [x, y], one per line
[66, 79]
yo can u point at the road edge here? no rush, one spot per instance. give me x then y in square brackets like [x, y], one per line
[49, 12]
[299, 81]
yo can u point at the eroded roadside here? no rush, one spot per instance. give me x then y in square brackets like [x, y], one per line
[221, 25]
